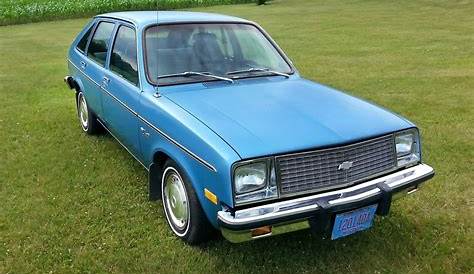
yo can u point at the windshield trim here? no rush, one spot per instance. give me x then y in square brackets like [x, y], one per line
[265, 34]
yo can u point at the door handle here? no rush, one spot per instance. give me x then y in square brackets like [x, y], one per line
[144, 133]
[83, 65]
[105, 81]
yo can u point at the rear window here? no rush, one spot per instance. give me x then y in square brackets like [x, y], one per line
[100, 42]
[85, 38]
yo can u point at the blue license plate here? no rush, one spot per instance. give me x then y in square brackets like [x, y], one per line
[353, 221]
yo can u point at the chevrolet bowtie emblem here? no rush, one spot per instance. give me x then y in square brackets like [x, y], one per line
[345, 165]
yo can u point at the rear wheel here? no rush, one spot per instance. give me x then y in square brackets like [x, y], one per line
[182, 208]
[87, 118]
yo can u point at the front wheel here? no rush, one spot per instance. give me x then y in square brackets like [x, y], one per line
[182, 208]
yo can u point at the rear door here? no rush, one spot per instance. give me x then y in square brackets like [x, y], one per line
[122, 88]
[94, 64]
[81, 63]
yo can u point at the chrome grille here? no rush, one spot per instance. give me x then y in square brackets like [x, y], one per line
[322, 170]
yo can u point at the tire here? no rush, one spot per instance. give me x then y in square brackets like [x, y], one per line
[183, 211]
[87, 119]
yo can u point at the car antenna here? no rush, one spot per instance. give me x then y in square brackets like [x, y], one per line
[157, 93]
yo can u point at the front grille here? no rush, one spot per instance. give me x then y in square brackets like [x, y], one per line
[322, 170]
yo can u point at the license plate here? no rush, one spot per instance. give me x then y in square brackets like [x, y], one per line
[348, 223]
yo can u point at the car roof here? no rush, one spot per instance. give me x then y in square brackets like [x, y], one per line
[142, 18]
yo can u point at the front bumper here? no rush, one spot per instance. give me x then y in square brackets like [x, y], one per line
[318, 210]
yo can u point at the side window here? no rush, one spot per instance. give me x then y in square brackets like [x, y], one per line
[124, 55]
[83, 42]
[99, 44]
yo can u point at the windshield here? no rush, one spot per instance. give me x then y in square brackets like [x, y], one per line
[216, 49]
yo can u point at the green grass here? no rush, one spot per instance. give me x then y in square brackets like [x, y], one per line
[73, 203]
[26, 11]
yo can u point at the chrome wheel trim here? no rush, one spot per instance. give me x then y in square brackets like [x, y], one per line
[83, 112]
[175, 201]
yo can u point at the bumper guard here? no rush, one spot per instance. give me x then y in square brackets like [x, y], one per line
[297, 214]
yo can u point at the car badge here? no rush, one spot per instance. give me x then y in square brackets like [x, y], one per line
[345, 165]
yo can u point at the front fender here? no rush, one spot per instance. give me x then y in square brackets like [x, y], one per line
[202, 155]
[200, 177]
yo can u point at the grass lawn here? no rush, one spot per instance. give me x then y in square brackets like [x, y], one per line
[73, 203]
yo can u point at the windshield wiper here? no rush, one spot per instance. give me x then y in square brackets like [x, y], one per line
[194, 73]
[259, 70]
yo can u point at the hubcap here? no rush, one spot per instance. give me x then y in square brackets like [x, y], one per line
[83, 113]
[175, 200]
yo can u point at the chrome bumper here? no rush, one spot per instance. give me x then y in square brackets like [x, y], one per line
[291, 215]
[68, 80]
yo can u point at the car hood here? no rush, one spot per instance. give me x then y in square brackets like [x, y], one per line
[259, 117]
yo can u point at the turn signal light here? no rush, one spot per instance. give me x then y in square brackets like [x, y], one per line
[262, 231]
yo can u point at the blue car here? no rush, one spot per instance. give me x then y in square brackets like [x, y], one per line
[233, 138]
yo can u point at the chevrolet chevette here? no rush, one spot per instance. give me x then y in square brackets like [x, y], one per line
[232, 137]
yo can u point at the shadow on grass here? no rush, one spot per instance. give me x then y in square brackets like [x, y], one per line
[388, 241]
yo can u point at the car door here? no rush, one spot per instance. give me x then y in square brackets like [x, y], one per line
[82, 63]
[122, 89]
[94, 64]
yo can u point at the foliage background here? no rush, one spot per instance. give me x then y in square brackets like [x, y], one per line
[25, 11]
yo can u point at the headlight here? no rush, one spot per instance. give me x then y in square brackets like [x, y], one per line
[408, 147]
[254, 181]
[250, 177]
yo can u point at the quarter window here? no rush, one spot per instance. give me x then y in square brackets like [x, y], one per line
[83, 42]
[100, 42]
[123, 60]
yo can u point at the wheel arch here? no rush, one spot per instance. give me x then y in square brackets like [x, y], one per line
[75, 83]
[155, 172]
[192, 170]
[156, 168]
